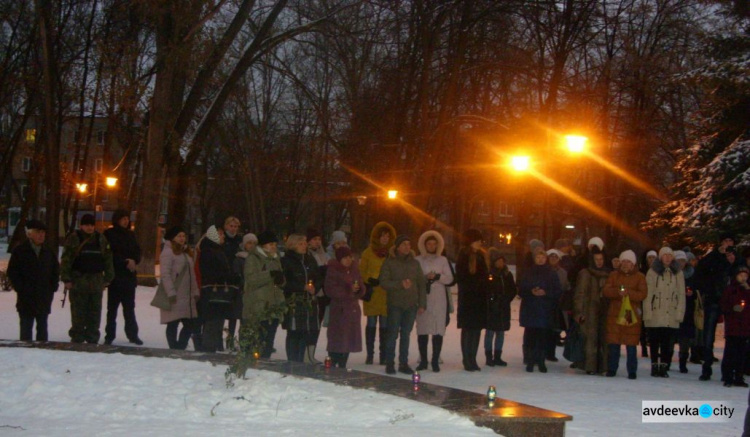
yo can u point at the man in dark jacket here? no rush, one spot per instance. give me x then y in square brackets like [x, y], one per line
[402, 278]
[712, 277]
[34, 272]
[126, 254]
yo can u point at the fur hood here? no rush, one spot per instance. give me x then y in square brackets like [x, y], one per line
[376, 230]
[423, 238]
[658, 267]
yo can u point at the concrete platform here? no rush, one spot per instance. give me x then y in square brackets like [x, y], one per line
[505, 417]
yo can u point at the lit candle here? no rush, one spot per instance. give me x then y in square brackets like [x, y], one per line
[415, 378]
[491, 393]
[491, 277]
[328, 362]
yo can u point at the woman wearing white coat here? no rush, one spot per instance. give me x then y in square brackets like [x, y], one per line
[438, 274]
[663, 309]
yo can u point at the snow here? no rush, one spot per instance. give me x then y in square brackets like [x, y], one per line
[66, 393]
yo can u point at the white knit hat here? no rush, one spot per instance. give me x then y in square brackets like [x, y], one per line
[627, 255]
[213, 235]
[555, 252]
[598, 242]
[338, 237]
[248, 238]
[679, 254]
[651, 253]
[665, 251]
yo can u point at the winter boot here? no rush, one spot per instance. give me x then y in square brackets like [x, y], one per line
[655, 369]
[663, 369]
[489, 357]
[382, 339]
[498, 360]
[695, 355]
[437, 347]
[422, 341]
[474, 336]
[370, 343]
[465, 348]
[683, 362]
[390, 369]
[404, 368]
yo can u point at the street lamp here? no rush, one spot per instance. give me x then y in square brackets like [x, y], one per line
[520, 163]
[575, 143]
[81, 187]
[392, 194]
[111, 181]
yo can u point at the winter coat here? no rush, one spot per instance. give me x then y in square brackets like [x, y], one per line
[664, 306]
[178, 279]
[303, 307]
[472, 290]
[589, 304]
[238, 267]
[432, 321]
[215, 271]
[35, 279]
[260, 292]
[395, 269]
[501, 291]
[345, 316]
[369, 267]
[87, 262]
[736, 324]
[538, 311]
[232, 245]
[635, 283]
[124, 246]
[687, 326]
[712, 276]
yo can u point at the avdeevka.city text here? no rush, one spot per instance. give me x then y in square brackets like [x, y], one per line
[721, 410]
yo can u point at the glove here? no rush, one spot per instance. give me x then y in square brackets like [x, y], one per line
[373, 282]
[172, 300]
[278, 277]
[436, 278]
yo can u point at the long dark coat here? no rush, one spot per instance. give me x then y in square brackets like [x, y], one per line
[35, 279]
[124, 246]
[345, 324]
[215, 270]
[501, 291]
[537, 311]
[472, 290]
[303, 309]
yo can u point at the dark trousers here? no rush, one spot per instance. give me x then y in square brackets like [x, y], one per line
[537, 345]
[180, 341]
[268, 329]
[735, 356]
[118, 294]
[339, 359]
[613, 358]
[27, 324]
[661, 344]
[85, 316]
[400, 322]
[212, 334]
[710, 319]
[297, 342]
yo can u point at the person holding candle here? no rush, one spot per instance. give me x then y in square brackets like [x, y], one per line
[343, 284]
[300, 286]
[500, 293]
[472, 277]
[734, 302]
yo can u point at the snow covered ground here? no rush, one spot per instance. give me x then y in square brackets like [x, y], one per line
[119, 395]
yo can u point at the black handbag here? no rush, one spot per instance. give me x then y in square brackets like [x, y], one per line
[574, 344]
[219, 293]
[369, 289]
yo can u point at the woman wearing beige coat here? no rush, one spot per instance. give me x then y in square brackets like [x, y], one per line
[663, 309]
[178, 280]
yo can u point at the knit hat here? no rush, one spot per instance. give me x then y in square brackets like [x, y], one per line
[472, 235]
[338, 237]
[35, 224]
[679, 254]
[742, 269]
[172, 232]
[400, 239]
[726, 235]
[535, 244]
[248, 238]
[213, 234]
[312, 233]
[689, 256]
[342, 252]
[118, 214]
[627, 255]
[562, 242]
[266, 237]
[665, 251]
[598, 242]
[555, 252]
[88, 219]
[651, 253]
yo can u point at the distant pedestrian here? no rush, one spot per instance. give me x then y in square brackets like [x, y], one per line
[345, 288]
[590, 312]
[301, 283]
[34, 272]
[735, 304]
[179, 282]
[500, 293]
[376, 308]
[218, 289]
[249, 243]
[472, 277]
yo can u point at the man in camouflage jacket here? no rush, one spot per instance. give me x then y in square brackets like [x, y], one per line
[86, 269]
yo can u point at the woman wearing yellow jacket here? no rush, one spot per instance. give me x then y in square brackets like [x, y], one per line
[381, 239]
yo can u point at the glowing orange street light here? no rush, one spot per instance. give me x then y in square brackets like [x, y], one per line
[520, 163]
[392, 194]
[111, 181]
[575, 143]
[82, 187]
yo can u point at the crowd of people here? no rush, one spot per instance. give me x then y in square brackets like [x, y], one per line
[672, 297]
